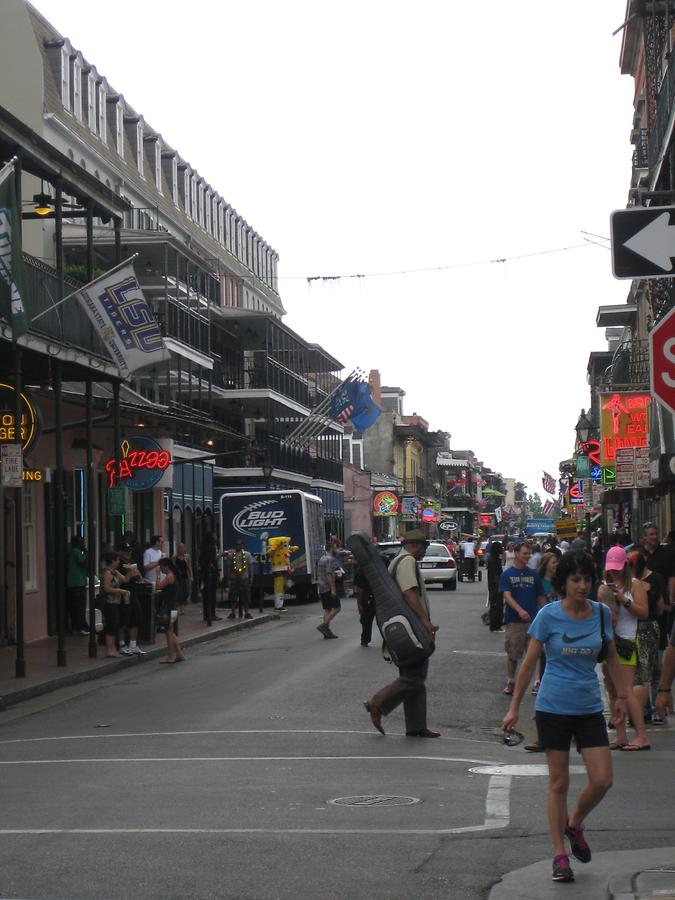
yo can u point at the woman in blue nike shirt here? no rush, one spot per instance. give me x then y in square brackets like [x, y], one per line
[569, 703]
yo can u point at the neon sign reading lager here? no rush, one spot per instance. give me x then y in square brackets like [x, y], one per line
[141, 465]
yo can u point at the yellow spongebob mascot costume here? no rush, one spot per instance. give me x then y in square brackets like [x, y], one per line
[279, 550]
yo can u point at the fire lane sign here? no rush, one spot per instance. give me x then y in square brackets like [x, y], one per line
[643, 242]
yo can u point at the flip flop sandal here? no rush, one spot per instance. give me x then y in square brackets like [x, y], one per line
[634, 748]
[616, 746]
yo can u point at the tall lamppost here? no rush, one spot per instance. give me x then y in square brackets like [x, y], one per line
[267, 469]
[583, 429]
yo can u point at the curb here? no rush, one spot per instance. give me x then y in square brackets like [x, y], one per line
[108, 668]
[614, 875]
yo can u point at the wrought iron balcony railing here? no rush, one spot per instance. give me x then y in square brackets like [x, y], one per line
[65, 324]
[629, 367]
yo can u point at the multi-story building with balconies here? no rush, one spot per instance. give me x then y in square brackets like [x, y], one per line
[237, 380]
[647, 55]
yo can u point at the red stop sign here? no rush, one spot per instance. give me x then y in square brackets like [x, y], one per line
[662, 361]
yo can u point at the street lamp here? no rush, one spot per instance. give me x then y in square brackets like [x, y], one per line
[267, 469]
[583, 429]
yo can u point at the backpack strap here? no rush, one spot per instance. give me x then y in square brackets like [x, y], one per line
[417, 571]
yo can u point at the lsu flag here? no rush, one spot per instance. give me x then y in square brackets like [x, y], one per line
[122, 317]
[12, 293]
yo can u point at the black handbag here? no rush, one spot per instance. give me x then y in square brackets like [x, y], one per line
[624, 647]
[604, 649]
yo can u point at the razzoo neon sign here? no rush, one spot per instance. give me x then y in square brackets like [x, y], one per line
[142, 464]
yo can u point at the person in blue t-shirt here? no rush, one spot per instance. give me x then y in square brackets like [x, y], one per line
[523, 595]
[569, 703]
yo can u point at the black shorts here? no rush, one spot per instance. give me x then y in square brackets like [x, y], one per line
[131, 614]
[556, 732]
[111, 618]
[328, 602]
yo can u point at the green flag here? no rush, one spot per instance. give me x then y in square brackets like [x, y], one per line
[12, 293]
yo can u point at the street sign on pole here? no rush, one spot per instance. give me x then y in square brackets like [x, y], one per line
[643, 242]
[11, 456]
[662, 361]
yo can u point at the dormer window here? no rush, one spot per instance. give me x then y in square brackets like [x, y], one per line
[200, 204]
[207, 211]
[158, 165]
[119, 127]
[77, 88]
[140, 158]
[174, 179]
[91, 101]
[101, 112]
[65, 77]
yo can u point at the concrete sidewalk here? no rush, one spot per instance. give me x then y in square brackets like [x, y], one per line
[615, 875]
[43, 675]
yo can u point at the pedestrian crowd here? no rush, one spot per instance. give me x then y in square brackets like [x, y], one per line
[575, 620]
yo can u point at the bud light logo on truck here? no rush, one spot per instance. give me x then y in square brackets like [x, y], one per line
[253, 518]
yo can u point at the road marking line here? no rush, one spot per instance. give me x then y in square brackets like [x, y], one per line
[186, 759]
[141, 734]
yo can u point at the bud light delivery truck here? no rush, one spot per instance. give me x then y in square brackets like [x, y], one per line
[253, 517]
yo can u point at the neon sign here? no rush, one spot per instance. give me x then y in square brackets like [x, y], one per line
[142, 463]
[624, 422]
[30, 426]
[385, 504]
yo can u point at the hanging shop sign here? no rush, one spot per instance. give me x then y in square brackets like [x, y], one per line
[385, 504]
[577, 492]
[448, 526]
[583, 466]
[30, 420]
[624, 422]
[143, 462]
[609, 475]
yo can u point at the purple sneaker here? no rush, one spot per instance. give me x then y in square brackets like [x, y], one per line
[561, 868]
[580, 848]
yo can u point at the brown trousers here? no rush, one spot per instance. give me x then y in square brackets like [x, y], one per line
[410, 690]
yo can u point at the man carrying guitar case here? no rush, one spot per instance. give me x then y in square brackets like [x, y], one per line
[402, 613]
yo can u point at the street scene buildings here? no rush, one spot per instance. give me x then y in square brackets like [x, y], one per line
[159, 413]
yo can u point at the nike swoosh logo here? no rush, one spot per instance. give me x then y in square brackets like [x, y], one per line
[573, 640]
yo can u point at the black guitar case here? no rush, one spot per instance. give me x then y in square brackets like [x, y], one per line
[408, 641]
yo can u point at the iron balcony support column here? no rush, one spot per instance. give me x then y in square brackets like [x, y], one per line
[117, 439]
[20, 665]
[60, 536]
[91, 525]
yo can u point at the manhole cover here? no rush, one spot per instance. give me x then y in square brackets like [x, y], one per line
[375, 800]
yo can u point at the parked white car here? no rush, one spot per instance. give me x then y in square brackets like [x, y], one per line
[438, 565]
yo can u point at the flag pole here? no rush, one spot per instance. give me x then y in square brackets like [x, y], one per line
[89, 283]
[317, 414]
[7, 169]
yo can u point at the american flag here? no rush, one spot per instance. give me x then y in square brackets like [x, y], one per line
[346, 414]
[548, 483]
[547, 508]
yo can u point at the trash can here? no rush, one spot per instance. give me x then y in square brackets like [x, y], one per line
[142, 592]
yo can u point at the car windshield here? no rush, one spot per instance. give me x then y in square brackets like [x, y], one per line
[437, 550]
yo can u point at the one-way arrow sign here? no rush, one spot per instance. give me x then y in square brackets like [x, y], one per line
[643, 242]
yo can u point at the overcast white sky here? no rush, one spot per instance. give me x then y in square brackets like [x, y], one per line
[371, 136]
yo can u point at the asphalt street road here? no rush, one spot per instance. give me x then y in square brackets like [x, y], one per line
[218, 778]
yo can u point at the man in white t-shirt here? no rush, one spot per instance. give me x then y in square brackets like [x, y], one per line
[151, 559]
[469, 555]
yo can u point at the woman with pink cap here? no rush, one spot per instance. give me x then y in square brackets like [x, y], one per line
[627, 598]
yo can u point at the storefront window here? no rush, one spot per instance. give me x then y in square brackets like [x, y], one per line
[29, 549]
